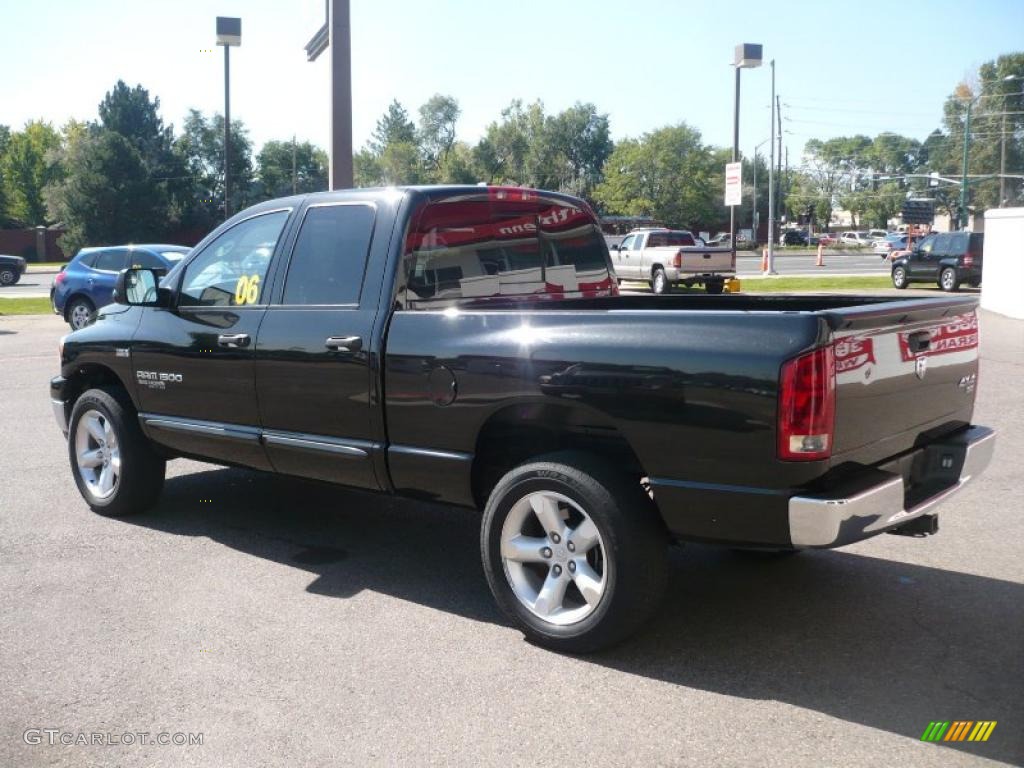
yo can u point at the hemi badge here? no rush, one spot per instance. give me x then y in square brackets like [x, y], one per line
[122, 352]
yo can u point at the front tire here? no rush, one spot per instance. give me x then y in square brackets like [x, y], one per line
[659, 282]
[8, 276]
[574, 552]
[114, 466]
[948, 280]
[899, 278]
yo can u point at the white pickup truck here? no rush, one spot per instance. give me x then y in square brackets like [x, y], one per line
[668, 257]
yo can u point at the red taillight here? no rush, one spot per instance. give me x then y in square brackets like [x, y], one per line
[59, 278]
[969, 259]
[807, 406]
[677, 261]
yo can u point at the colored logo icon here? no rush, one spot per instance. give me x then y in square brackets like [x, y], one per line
[958, 730]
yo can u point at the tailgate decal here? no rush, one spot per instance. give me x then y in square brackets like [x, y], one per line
[955, 336]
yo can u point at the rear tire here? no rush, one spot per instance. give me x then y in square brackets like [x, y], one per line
[115, 467]
[948, 280]
[899, 278]
[659, 282]
[714, 286]
[80, 313]
[592, 582]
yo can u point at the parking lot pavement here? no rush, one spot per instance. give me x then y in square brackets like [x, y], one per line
[31, 286]
[293, 623]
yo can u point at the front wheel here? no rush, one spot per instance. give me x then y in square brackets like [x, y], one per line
[8, 276]
[115, 468]
[659, 282]
[899, 278]
[948, 280]
[574, 552]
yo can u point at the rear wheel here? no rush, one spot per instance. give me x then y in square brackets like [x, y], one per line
[115, 468]
[80, 313]
[574, 552]
[714, 286]
[948, 280]
[899, 278]
[659, 282]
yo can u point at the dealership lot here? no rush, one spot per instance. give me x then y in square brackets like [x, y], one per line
[290, 622]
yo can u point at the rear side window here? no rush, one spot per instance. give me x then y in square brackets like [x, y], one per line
[660, 239]
[145, 260]
[89, 259]
[977, 244]
[502, 244]
[942, 244]
[959, 242]
[329, 258]
[111, 261]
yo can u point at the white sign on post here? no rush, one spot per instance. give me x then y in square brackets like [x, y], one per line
[733, 183]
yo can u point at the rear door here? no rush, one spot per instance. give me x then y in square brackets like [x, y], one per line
[313, 374]
[101, 279]
[194, 370]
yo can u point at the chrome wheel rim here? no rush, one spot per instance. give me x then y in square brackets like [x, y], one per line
[659, 282]
[554, 558]
[898, 276]
[80, 316]
[97, 454]
[947, 279]
[6, 277]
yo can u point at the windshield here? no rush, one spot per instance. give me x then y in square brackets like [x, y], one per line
[174, 256]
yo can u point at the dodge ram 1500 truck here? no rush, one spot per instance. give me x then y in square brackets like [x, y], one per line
[468, 345]
[664, 258]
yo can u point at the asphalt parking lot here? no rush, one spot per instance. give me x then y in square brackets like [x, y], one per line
[293, 623]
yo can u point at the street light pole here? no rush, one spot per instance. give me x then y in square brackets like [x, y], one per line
[747, 56]
[771, 183]
[963, 178]
[229, 33]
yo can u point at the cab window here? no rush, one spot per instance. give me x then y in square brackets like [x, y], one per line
[329, 258]
[626, 244]
[232, 270]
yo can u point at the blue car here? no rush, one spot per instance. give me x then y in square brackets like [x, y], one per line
[86, 283]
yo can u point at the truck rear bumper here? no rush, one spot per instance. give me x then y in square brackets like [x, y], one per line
[832, 520]
[868, 501]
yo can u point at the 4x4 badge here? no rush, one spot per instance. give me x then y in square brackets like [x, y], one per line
[921, 367]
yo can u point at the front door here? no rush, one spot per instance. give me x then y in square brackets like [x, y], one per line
[313, 376]
[633, 259]
[194, 371]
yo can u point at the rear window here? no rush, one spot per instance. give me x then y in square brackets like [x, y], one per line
[656, 239]
[977, 243]
[503, 244]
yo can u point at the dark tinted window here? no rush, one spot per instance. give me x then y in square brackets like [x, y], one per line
[112, 261]
[977, 244]
[943, 244]
[959, 240]
[232, 269]
[145, 260]
[659, 239]
[329, 259]
[503, 243]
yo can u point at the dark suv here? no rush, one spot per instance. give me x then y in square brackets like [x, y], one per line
[945, 258]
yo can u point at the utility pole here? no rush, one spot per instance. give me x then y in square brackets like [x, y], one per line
[780, 203]
[963, 178]
[1002, 160]
[771, 183]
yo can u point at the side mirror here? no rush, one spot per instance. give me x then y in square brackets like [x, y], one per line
[616, 247]
[138, 287]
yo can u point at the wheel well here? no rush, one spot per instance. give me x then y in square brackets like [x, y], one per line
[90, 376]
[517, 434]
[657, 266]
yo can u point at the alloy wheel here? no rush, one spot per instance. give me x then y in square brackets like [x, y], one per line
[97, 454]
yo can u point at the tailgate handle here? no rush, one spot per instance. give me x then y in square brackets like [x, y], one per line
[919, 342]
[707, 255]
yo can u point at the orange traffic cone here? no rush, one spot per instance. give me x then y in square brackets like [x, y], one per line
[821, 255]
[764, 260]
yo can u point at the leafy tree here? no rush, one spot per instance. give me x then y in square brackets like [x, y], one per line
[107, 195]
[394, 127]
[5, 139]
[668, 174]
[27, 166]
[437, 130]
[366, 169]
[275, 164]
[201, 148]
[581, 140]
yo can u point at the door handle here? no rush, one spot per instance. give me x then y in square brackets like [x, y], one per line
[348, 344]
[233, 340]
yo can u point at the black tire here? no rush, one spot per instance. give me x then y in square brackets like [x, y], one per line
[79, 307]
[141, 477]
[659, 282]
[8, 276]
[899, 278]
[948, 280]
[634, 545]
[714, 286]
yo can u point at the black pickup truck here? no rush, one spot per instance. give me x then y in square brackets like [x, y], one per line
[469, 345]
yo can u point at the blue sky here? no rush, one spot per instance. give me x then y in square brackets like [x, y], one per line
[842, 68]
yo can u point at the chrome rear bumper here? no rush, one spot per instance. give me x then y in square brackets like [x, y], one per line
[832, 521]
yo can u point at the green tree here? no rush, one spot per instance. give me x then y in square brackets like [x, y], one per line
[581, 143]
[668, 174]
[27, 166]
[394, 127]
[284, 167]
[5, 139]
[436, 132]
[107, 195]
[201, 148]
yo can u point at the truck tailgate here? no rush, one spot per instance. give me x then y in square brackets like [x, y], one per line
[700, 260]
[902, 370]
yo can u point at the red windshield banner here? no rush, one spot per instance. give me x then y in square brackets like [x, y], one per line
[955, 336]
[444, 225]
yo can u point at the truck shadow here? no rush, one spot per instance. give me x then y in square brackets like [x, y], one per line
[871, 641]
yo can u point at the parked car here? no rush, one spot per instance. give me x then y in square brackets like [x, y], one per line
[822, 238]
[855, 238]
[946, 258]
[665, 258]
[467, 345]
[11, 269]
[86, 283]
[877, 234]
[793, 237]
[890, 244]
